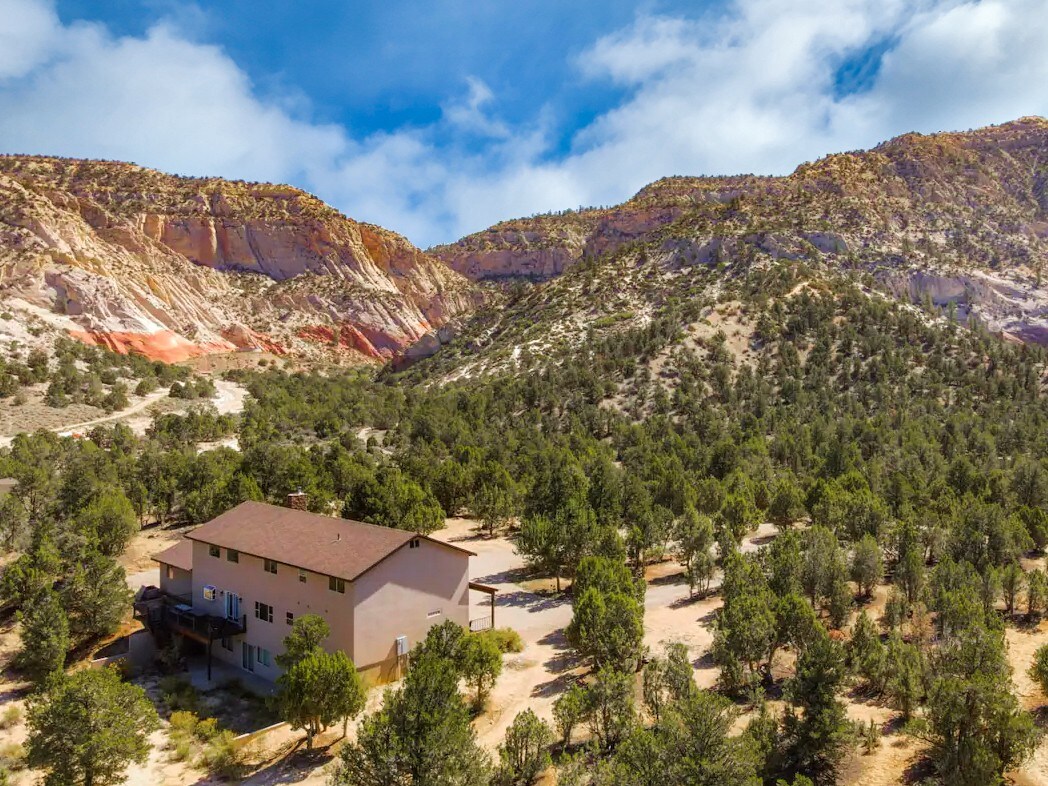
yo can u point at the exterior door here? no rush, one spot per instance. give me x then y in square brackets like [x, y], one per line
[232, 606]
[247, 655]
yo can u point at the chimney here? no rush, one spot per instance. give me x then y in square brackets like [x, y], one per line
[298, 500]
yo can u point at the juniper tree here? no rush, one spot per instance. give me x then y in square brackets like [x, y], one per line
[87, 728]
[45, 637]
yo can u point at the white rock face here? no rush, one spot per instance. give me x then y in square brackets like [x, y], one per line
[177, 267]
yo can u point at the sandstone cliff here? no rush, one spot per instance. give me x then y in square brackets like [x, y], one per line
[175, 267]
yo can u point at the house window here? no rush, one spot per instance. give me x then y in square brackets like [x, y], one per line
[263, 656]
[227, 643]
[337, 585]
[263, 611]
[214, 551]
[414, 543]
[302, 575]
[170, 572]
[232, 555]
[290, 618]
[269, 565]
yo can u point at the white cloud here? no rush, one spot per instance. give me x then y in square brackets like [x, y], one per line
[26, 36]
[469, 115]
[750, 89]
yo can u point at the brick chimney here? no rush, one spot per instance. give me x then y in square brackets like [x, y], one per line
[298, 500]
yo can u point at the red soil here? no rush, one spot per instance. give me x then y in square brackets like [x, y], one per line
[163, 345]
[349, 338]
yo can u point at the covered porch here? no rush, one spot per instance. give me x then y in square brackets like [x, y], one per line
[487, 621]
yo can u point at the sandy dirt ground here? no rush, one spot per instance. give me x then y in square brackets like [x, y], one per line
[137, 559]
[231, 361]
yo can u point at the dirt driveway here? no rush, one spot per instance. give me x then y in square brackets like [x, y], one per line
[535, 677]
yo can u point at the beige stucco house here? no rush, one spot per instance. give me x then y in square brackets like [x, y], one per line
[237, 583]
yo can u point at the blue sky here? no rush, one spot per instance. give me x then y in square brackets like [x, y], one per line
[440, 118]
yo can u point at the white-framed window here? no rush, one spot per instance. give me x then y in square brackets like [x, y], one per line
[337, 584]
[414, 544]
[214, 551]
[290, 618]
[263, 611]
[269, 565]
[232, 555]
[263, 656]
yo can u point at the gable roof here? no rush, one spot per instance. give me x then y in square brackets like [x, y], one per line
[335, 547]
[180, 555]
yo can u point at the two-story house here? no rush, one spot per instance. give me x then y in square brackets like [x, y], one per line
[238, 583]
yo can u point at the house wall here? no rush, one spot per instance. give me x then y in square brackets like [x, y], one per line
[396, 597]
[283, 591]
[180, 582]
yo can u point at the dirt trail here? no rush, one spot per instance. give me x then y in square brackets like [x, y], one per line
[123, 414]
[229, 399]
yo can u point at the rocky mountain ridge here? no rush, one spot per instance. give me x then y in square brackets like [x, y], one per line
[955, 225]
[956, 217]
[174, 267]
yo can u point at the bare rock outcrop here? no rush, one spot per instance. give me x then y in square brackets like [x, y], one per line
[175, 267]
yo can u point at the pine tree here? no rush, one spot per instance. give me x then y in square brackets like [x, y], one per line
[96, 595]
[524, 753]
[905, 674]
[318, 690]
[45, 637]
[867, 567]
[819, 736]
[86, 729]
[973, 722]
[867, 656]
[422, 735]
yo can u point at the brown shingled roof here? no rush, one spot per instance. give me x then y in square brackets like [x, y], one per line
[335, 547]
[180, 555]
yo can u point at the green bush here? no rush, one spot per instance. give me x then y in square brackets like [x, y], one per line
[178, 694]
[221, 757]
[183, 749]
[12, 756]
[506, 639]
[11, 717]
[184, 722]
